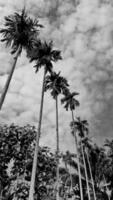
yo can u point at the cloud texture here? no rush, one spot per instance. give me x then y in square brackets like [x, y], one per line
[83, 31]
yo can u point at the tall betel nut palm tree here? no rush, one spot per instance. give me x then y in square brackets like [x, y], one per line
[19, 32]
[71, 103]
[82, 128]
[57, 85]
[87, 145]
[44, 56]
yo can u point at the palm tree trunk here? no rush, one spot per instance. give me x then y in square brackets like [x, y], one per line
[1, 190]
[66, 188]
[35, 159]
[57, 151]
[70, 175]
[78, 163]
[71, 179]
[3, 95]
[106, 187]
[86, 175]
[94, 193]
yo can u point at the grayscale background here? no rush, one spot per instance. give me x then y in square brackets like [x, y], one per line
[83, 31]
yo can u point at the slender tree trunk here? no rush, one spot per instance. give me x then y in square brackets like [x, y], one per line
[78, 162]
[57, 151]
[106, 187]
[1, 190]
[86, 175]
[0, 195]
[35, 159]
[68, 171]
[66, 188]
[4, 93]
[71, 179]
[94, 193]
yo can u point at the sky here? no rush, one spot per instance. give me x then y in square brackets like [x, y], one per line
[83, 31]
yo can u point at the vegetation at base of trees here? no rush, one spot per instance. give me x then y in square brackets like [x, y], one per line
[16, 156]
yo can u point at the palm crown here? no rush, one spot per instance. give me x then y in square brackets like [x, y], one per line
[87, 142]
[70, 101]
[81, 126]
[20, 31]
[68, 158]
[56, 83]
[43, 54]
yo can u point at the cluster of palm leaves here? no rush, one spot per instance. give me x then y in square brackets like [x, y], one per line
[22, 32]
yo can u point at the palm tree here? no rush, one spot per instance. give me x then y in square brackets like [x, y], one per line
[19, 33]
[86, 142]
[82, 127]
[58, 85]
[97, 163]
[69, 160]
[107, 189]
[72, 103]
[44, 55]
[101, 163]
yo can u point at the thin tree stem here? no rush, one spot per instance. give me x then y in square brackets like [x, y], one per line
[78, 162]
[35, 159]
[106, 187]
[1, 190]
[57, 151]
[70, 175]
[86, 175]
[94, 193]
[71, 179]
[4, 93]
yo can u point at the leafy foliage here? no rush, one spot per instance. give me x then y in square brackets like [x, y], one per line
[16, 154]
[17, 147]
[109, 163]
[13, 145]
[68, 159]
[16, 157]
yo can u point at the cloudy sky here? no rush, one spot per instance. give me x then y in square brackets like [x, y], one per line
[83, 31]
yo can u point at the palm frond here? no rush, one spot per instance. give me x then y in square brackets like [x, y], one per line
[69, 101]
